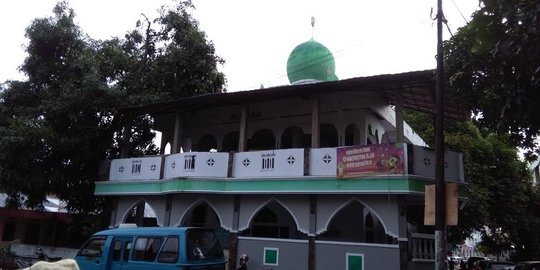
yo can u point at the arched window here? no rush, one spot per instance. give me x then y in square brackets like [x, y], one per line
[206, 143]
[372, 136]
[328, 135]
[294, 137]
[262, 139]
[230, 142]
[352, 135]
[167, 149]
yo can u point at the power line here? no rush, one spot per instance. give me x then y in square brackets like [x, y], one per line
[460, 13]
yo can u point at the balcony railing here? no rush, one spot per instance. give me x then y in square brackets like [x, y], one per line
[288, 163]
[422, 247]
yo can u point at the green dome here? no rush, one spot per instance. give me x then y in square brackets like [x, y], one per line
[311, 61]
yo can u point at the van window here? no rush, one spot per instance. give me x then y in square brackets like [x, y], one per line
[93, 248]
[116, 250]
[169, 252]
[203, 245]
[127, 249]
[146, 248]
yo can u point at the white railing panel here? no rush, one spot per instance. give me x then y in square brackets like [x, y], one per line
[424, 163]
[271, 163]
[322, 162]
[144, 168]
[196, 164]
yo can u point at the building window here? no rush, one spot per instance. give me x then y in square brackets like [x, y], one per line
[31, 236]
[8, 233]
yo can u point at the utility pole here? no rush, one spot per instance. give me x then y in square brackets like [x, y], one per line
[440, 207]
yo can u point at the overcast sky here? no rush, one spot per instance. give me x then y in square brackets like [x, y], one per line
[256, 37]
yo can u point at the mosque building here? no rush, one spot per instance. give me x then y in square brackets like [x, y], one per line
[319, 174]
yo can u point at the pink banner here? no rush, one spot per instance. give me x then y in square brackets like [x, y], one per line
[376, 159]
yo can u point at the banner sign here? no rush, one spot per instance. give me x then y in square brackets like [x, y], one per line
[376, 159]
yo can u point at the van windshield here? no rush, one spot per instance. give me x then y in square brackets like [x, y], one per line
[203, 245]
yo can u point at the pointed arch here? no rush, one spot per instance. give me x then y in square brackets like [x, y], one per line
[189, 212]
[150, 218]
[286, 225]
[378, 219]
[195, 211]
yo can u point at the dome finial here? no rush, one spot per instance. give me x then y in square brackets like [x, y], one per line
[312, 26]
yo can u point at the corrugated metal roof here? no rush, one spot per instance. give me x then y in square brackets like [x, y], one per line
[415, 89]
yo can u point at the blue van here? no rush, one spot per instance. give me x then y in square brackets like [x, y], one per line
[178, 248]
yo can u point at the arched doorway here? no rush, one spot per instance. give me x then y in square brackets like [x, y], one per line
[273, 221]
[141, 214]
[355, 223]
[203, 215]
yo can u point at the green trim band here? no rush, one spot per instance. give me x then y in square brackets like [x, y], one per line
[304, 185]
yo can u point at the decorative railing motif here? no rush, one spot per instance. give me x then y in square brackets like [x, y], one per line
[196, 164]
[144, 168]
[422, 247]
[271, 163]
[424, 163]
[322, 162]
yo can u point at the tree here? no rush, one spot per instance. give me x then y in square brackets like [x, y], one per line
[493, 63]
[163, 59]
[500, 201]
[54, 126]
[60, 124]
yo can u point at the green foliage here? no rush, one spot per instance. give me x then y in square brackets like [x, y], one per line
[167, 58]
[501, 201]
[62, 122]
[493, 62]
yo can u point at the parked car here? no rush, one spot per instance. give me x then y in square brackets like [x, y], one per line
[472, 260]
[528, 265]
[480, 265]
[493, 265]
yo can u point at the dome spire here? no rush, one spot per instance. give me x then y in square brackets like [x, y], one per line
[312, 26]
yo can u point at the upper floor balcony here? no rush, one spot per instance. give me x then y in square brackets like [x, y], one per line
[341, 162]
